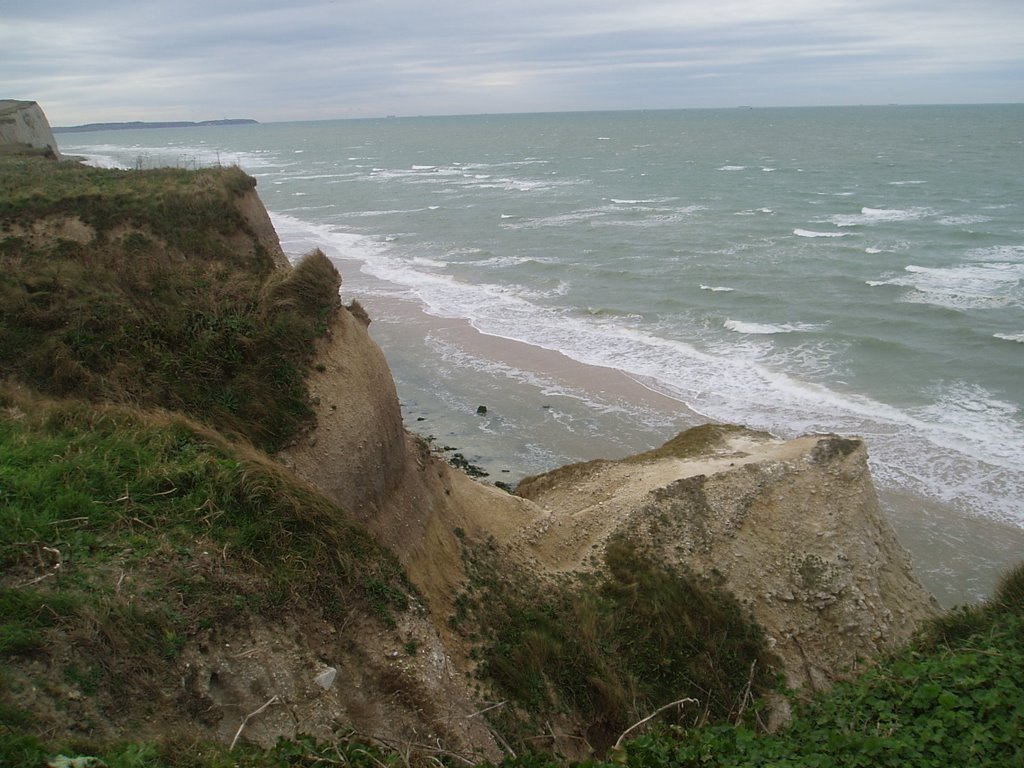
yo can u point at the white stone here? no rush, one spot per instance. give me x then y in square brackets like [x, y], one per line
[326, 678]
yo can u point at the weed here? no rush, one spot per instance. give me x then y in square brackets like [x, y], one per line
[615, 646]
[173, 313]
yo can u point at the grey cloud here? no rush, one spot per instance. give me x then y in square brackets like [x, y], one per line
[275, 60]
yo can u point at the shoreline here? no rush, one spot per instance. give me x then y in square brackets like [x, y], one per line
[958, 559]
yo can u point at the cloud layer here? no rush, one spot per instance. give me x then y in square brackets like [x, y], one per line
[89, 61]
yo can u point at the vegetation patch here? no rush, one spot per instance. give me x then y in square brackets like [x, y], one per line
[127, 534]
[691, 443]
[172, 313]
[613, 647]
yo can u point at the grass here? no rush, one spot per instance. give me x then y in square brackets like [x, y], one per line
[955, 696]
[614, 647]
[102, 485]
[171, 312]
[127, 534]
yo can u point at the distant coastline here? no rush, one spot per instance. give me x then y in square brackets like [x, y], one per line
[138, 124]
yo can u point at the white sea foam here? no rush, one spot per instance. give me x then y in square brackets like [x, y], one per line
[872, 251]
[1018, 337]
[767, 329]
[1007, 253]
[96, 159]
[964, 220]
[655, 201]
[965, 286]
[422, 261]
[174, 156]
[868, 216]
[733, 168]
[812, 233]
[717, 288]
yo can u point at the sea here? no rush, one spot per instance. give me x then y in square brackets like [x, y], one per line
[557, 287]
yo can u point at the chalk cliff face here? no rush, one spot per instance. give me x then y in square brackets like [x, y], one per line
[792, 528]
[24, 123]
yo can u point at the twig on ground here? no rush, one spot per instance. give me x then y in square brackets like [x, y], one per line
[651, 716]
[487, 709]
[272, 700]
[745, 697]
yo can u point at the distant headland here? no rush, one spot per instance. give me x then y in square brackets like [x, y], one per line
[139, 124]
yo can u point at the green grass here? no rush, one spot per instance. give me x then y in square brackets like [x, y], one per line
[953, 697]
[106, 484]
[614, 647]
[173, 314]
[207, 532]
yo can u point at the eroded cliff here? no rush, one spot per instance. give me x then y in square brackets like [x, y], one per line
[24, 124]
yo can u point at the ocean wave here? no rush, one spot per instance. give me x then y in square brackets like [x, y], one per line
[984, 285]
[1007, 253]
[733, 168]
[422, 261]
[812, 233]
[1017, 337]
[717, 288]
[768, 329]
[172, 156]
[869, 216]
[97, 159]
[964, 220]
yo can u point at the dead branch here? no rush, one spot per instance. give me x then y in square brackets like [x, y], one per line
[272, 700]
[487, 709]
[651, 716]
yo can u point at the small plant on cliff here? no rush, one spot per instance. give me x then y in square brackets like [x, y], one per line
[615, 646]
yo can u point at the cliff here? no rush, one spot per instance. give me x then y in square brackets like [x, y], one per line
[259, 532]
[23, 123]
[792, 528]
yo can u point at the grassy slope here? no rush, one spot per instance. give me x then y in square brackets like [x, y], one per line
[143, 367]
[161, 306]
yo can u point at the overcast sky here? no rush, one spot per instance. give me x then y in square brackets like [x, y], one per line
[90, 61]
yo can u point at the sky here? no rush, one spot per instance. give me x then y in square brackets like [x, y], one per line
[276, 60]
